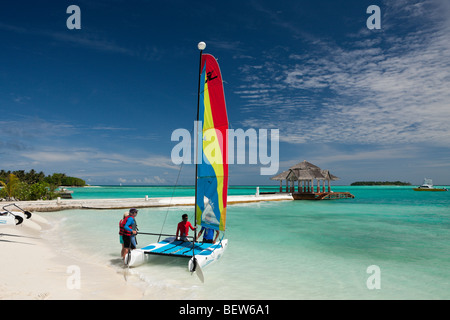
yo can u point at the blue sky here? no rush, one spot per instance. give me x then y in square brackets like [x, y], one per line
[101, 103]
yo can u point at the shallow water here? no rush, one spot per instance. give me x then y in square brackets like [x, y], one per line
[289, 249]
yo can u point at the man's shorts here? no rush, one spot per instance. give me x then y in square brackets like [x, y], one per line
[127, 243]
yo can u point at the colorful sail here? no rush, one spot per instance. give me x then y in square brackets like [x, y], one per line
[212, 175]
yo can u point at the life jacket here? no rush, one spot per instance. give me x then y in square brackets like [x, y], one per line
[122, 230]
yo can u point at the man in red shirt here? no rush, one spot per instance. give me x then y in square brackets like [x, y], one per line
[183, 228]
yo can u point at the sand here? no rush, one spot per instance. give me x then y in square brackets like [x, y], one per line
[32, 269]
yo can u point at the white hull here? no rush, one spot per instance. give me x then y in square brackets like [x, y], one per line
[38, 219]
[135, 258]
[204, 258]
[8, 221]
[27, 222]
[22, 217]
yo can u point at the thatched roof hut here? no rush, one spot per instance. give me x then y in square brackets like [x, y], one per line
[304, 173]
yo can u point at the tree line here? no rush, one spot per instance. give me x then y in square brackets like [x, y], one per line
[32, 185]
[380, 183]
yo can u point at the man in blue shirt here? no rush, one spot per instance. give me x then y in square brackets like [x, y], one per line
[208, 235]
[130, 231]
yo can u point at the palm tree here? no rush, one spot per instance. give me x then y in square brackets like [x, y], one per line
[10, 186]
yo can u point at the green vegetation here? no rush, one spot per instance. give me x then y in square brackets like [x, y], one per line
[380, 183]
[21, 185]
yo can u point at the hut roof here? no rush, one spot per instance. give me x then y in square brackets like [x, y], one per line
[304, 165]
[328, 175]
[304, 171]
[281, 176]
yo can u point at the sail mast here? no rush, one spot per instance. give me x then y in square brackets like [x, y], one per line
[201, 46]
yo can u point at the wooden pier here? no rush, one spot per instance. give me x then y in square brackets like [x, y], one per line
[322, 195]
[311, 183]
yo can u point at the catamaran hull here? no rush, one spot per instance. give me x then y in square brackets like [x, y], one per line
[27, 220]
[135, 258]
[208, 256]
[204, 258]
[23, 217]
[10, 220]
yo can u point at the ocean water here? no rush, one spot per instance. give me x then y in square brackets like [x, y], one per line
[283, 249]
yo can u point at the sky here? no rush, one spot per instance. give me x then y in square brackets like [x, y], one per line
[102, 102]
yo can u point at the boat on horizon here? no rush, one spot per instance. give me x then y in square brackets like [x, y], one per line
[427, 185]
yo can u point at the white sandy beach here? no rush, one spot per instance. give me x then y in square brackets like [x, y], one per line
[33, 268]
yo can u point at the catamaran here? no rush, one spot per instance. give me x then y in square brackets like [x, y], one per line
[18, 216]
[8, 217]
[8, 220]
[211, 175]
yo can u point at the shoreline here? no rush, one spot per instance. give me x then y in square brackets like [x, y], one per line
[34, 269]
[65, 204]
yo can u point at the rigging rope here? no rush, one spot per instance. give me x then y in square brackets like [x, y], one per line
[170, 203]
[173, 192]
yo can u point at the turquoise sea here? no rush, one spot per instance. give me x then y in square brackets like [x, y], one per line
[388, 243]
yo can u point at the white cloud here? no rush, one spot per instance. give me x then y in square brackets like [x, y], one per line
[386, 87]
[31, 142]
[93, 156]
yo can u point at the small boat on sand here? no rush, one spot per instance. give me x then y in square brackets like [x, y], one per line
[19, 216]
[6, 219]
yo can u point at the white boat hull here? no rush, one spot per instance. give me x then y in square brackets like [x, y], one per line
[8, 220]
[27, 220]
[24, 218]
[204, 257]
[134, 258]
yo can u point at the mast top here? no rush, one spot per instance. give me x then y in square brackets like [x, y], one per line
[201, 46]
